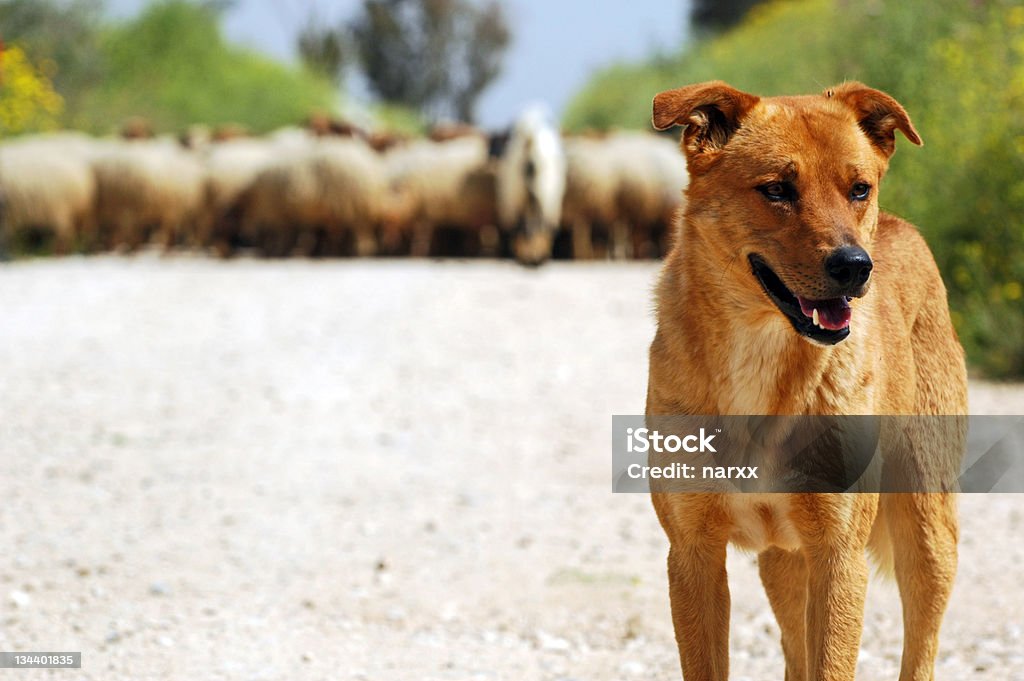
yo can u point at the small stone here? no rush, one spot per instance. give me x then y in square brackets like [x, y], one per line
[633, 668]
[547, 641]
[159, 589]
[983, 663]
[20, 599]
[165, 641]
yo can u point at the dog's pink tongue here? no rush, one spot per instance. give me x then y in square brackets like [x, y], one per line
[833, 314]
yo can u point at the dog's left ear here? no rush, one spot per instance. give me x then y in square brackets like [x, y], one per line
[878, 114]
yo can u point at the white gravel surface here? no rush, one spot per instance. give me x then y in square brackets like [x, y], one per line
[371, 470]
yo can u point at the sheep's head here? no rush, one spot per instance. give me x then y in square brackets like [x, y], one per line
[531, 186]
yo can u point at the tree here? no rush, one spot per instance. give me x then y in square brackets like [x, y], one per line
[324, 50]
[435, 56]
[717, 15]
[62, 36]
[172, 65]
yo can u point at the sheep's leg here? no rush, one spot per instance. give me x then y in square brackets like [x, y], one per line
[599, 241]
[86, 233]
[63, 235]
[582, 240]
[643, 242]
[391, 240]
[490, 241]
[61, 243]
[127, 236]
[366, 241]
[422, 236]
[306, 243]
[168, 235]
[620, 240]
[275, 241]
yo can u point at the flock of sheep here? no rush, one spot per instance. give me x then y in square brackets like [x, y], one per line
[326, 190]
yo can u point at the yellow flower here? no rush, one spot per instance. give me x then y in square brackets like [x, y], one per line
[28, 101]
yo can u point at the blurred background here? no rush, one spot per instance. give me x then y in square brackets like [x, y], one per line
[314, 315]
[393, 72]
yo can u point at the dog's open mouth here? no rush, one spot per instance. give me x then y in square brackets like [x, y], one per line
[825, 321]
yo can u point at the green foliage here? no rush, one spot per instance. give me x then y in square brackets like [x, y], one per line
[398, 119]
[957, 67]
[324, 49]
[61, 34]
[172, 66]
[28, 102]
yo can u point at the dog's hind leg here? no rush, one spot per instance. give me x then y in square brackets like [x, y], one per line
[784, 575]
[924, 528]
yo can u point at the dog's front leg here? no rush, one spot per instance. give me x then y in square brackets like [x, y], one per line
[837, 582]
[699, 591]
[923, 528]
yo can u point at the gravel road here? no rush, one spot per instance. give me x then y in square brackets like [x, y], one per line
[379, 470]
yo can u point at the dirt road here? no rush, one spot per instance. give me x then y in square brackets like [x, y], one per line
[371, 470]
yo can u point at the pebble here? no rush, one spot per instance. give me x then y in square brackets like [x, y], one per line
[20, 599]
[159, 589]
[546, 641]
[633, 668]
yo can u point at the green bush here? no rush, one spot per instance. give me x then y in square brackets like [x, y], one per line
[959, 70]
[172, 66]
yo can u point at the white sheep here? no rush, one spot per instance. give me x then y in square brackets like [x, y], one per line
[591, 194]
[449, 184]
[147, 187]
[629, 185]
[652, 178]
[47, 186]
[231, 166]
[531, 184]
[312, 198]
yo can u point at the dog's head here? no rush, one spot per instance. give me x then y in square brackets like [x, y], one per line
[789, 187]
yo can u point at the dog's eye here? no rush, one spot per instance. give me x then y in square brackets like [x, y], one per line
[778, 191]
[860, 191]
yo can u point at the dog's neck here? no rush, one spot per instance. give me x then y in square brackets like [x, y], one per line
[731, 355]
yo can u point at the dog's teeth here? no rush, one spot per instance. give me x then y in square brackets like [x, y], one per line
[814, 318]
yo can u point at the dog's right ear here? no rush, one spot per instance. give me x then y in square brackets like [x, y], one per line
[711, 112]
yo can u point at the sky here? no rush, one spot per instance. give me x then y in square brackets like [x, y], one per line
[556, 44]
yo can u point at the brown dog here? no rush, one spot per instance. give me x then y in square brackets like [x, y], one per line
[764, 308]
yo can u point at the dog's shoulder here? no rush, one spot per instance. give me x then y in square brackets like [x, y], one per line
[900, 242]
[904, 263]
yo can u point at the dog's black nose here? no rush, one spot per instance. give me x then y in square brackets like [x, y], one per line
[849, 266]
